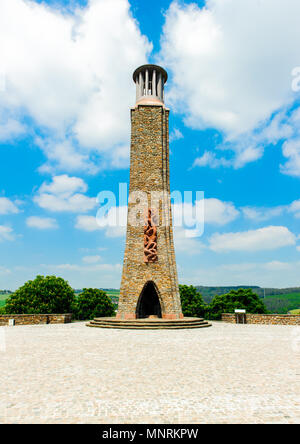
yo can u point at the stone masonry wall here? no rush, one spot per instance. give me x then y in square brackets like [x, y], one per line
[149, 171]
[32, 319]
[267, 319]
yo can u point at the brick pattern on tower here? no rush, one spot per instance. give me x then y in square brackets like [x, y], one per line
[149, 172]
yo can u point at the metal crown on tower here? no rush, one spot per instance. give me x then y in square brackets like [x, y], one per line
[150, 80]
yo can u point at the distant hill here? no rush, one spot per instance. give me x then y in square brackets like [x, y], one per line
[209, 292]
[109, 290]
[277, 300]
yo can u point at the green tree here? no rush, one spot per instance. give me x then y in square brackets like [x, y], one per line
[191, 301]
[236, 299]
[93, 303]
[48, 294]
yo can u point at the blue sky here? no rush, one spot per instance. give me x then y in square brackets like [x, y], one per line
[65, 93]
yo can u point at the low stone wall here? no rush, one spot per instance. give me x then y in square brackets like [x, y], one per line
[32, 319]
[267, 319]
[228, 317]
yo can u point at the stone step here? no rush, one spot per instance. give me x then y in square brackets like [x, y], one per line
[149, 327]
[149, 321]
[147, 324]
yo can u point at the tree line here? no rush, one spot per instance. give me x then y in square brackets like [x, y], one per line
[53, 294]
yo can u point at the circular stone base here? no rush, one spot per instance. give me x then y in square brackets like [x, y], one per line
[149, 323]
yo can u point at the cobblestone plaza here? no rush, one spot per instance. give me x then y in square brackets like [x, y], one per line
[226, 374]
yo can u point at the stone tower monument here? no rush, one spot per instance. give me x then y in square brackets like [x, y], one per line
[149, 285]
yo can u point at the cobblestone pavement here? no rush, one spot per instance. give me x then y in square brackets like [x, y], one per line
[225, 374]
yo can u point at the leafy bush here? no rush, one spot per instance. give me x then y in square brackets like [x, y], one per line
[191, 301]
[235, 299]
[93, 303]
[48, 294]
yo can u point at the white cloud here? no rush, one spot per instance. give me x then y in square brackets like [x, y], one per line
[87, 223]
[183, 243]
[264, 213]
[277, 266]
[7, 206]
[268, 238]
[117, 231]
[64, 194]
[298, 248]
[91, 259]
[211, 211]
[261, 214]
[120, 157]
[10, 129]
[6, 233]
[279, 128]
[64, 184]
[76, 83]
[62, 155]
[295, 208]
[233, 76]
[250, 146]
[74, 203]
[113, 223]
[210, 159]
[291, 150]
[219, 212]
[246, 154]
[41, 223]
[176, 134]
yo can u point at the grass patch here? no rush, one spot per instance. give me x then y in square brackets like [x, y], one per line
[112, 292]
[3, 298]
[295, 312]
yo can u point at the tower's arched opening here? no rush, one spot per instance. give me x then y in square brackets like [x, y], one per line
[148, 303]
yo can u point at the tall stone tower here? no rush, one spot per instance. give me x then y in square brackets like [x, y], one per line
[149, 285]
